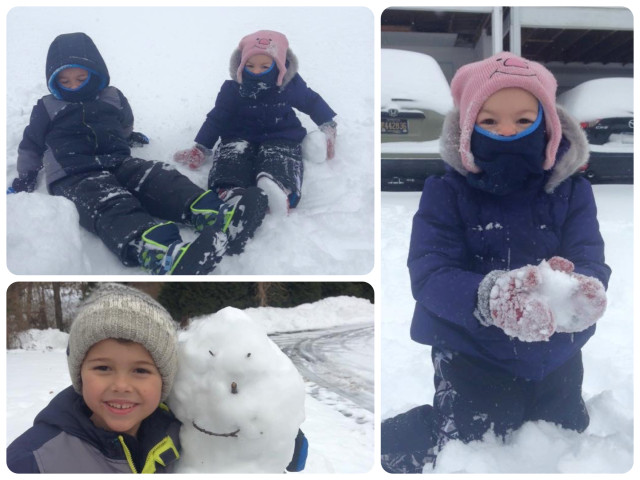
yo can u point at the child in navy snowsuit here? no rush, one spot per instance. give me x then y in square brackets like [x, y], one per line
[255, 120]
[508, 207]
[82, 134]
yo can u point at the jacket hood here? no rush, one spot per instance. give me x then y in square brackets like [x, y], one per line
[291, 59]
[567, 163]
[74, 50]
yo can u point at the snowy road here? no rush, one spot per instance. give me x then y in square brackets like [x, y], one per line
[337, 364]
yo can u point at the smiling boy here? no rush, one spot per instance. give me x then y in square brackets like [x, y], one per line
[122, 358]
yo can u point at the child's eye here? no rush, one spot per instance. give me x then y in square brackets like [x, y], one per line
[487, 121]
[142, 371]
[525, 121]
[101, 368]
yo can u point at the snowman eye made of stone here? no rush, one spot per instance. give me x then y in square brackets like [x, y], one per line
[211, 353]
[234, 387]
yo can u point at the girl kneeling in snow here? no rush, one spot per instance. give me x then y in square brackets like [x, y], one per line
[259, 131]
[489, 240]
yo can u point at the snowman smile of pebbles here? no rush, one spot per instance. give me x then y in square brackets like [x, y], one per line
[239, 398]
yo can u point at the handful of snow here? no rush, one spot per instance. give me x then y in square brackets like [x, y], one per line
[314, 147]
[239, 398]
[533, 302]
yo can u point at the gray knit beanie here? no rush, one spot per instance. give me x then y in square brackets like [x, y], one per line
[117, 311]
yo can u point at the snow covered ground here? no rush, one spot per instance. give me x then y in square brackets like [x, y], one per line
[170, 63]
[407, 373]
[339, 430]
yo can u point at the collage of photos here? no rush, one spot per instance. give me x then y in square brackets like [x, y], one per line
[360, 240]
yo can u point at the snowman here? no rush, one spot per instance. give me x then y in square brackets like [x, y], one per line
[239, 398]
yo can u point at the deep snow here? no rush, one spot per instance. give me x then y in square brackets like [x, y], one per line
[539, 447]
[340, 433]
[170, 63]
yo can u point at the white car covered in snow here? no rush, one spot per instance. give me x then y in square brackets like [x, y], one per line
[604, 108]
[414, 100]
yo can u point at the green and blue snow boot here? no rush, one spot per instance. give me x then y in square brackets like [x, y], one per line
[239, 218]
[163, 252]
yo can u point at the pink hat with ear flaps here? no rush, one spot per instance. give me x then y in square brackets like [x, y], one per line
[265, 42]
[474, 83]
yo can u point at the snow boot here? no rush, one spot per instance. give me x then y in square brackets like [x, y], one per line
[278, 196]
[163, 252]
[408, 440]
[239, 217]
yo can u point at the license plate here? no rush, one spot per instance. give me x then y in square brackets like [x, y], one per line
[396, 126]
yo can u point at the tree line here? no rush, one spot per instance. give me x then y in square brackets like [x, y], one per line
[43, 305]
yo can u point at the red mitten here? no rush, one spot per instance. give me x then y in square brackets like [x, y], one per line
[517, 308]
[330, 131]
[193, 157]
[561, 264]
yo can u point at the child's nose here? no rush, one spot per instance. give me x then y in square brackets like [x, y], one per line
[121, 383]
[507, 129]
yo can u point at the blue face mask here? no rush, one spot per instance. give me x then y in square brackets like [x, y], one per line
[254, 83]
[88, 90]
[510, 163]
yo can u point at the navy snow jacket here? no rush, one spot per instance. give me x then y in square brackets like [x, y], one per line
[461, 233]
[63, 439]
[269, 116]
[70, 137]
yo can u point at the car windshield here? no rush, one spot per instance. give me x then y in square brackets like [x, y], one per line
[413, 80]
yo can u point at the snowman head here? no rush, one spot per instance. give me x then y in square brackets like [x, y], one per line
[235, 389]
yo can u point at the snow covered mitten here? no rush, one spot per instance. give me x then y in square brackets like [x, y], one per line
[588, 299]
[194, 157]
[511, 301]
[330, 130]
[25, 182]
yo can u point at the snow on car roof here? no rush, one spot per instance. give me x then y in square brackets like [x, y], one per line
[600, 98]
[416, 77]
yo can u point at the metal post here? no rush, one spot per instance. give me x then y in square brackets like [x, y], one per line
[515, 39]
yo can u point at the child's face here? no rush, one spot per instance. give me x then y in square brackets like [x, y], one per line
[120, 384]
[508, 112]
[259, 63]
[73, 77]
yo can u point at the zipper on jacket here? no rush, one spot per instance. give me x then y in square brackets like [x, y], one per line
[127, 454]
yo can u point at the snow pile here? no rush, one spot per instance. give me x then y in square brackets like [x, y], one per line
[41, 340]
[240, 399]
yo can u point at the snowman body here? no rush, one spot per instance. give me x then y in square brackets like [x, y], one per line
[239, 398]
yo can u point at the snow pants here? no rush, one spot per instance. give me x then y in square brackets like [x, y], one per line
[239, 163]
[473, 397]
[119, 204]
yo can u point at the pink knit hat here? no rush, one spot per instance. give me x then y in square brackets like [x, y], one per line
[474, 83]
[264, 42]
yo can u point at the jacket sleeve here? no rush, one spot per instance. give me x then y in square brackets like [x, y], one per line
[127, 115]
[582, 242]
[222, 112]
[310, 102]
[32, 147]
[438, 256]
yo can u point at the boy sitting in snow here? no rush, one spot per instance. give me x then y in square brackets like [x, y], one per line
[83, 132]
[122, 358]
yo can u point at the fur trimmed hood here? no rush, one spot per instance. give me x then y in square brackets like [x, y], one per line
[292, 67]
[566, 164]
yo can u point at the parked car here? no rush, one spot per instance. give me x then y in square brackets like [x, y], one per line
[604, 108]
[415, 98]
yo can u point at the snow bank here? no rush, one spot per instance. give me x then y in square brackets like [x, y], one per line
[599, 98]
[40, 340]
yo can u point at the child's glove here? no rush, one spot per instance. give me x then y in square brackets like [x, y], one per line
[194, 157]
[588, 300]
[510, 301]
[25, 182]
[330, 130]
[137, 139]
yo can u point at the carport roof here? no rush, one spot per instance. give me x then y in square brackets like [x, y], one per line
[557, 44]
